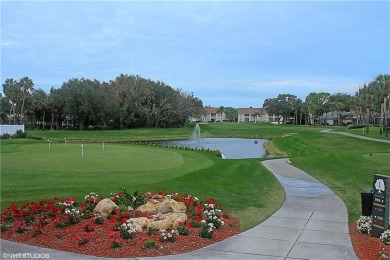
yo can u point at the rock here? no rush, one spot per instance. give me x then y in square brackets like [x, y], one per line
[148, 207]
[166, 205]
[140, 223]
[104, 208]
[158, 216]
[174, 206]
[169, 221]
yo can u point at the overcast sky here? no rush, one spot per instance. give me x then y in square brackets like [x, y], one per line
[228, 53]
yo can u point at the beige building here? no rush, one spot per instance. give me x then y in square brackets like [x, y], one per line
[213, 115]
[255, 115]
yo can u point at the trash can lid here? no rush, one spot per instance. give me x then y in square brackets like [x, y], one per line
[367, 191]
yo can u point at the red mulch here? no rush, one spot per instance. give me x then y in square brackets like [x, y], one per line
[99, 244]
[66, 239]
[368, 247]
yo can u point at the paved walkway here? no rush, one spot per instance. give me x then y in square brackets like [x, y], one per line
[311, 224]
[357, 136]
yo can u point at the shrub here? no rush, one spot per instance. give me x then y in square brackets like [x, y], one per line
[34, 137]
[127, 230]
[207, 230]
[4, 227]
[99, 220]
[134, 200]
[5, 136]
[168, 236]
[83, 241]
[20, 134]
[218, 153]
[116, 243]
[355, 126]
[150, 244]
[364, 224]
[385, 237]
[151, 231]
[183, 230]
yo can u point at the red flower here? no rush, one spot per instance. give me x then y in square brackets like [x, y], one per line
[162, 192]
[113, 199]
[190, 201]
[188, 225]
[91, 200]
[198, 219]
[113, 220]
[199, 210]
[124, 220]
[118, 241]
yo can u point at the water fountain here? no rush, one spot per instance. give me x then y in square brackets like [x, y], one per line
[196, 133]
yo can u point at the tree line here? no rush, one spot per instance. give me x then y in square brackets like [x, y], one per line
[129, 101]
[369, 99]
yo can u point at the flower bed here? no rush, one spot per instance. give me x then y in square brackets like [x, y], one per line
[366, 246]
[69, 225]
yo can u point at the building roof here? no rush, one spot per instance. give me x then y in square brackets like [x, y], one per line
[211, 110]
[261, 111]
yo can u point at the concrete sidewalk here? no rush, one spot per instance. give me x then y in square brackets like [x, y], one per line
[311, 224]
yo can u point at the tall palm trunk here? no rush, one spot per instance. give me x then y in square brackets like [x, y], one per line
[368, 121]
[385, 116]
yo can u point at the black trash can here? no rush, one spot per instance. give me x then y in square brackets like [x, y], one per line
[367, 197]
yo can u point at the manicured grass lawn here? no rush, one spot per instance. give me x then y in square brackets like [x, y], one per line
[342, 163]
[32, 172]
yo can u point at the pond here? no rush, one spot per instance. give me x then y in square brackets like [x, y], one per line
[231, 148]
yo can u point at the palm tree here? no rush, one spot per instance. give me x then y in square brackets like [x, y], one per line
[12, 93]
[26, 85]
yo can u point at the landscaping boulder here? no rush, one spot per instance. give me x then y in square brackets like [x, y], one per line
[168, 221]
[104, 208]
[140, 223]
[163, 205]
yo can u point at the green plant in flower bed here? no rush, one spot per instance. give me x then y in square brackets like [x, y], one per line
[150, 244]
[207, 230]
[183, 230]
[116, 243]
[133, 200]
[168, 235]
[126, 230]
[385, 237]
[98, 220]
